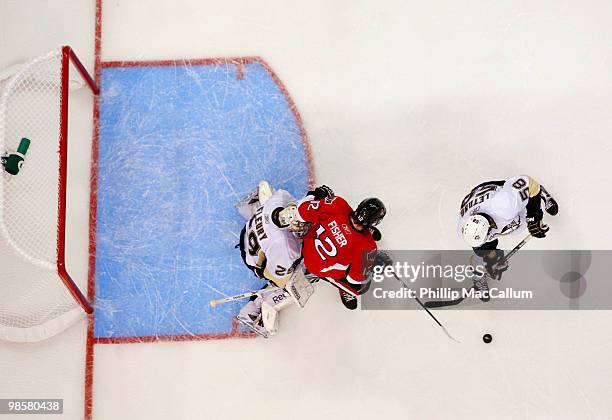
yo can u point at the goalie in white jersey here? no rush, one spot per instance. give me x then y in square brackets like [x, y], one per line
[497, 208]
[268, 248]
[271, 251]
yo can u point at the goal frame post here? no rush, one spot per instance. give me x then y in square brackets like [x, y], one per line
[68, 56]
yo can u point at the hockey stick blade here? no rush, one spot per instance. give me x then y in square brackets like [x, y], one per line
[443, 303]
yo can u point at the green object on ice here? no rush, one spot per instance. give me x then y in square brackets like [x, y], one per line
[14, 161]
[24, 145]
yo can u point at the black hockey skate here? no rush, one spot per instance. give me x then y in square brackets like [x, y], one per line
[349, 301]
[550, 204]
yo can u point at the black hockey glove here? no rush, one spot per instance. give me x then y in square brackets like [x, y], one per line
[321, 192]
[534, 217]
[376, 235]
[550, 204]
[535, 225]
[495, 263]
[382, 259]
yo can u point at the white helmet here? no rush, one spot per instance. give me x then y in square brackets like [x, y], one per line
[475, 230]
[288, 218]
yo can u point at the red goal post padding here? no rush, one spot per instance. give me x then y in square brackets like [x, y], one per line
[39, 297]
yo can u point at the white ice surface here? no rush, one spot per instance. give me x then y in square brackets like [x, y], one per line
[412, 101]
[55, 368]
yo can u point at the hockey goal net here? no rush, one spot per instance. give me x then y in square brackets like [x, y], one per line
[38, 298]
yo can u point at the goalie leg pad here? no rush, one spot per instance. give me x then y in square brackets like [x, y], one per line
[299, 287]
[252, 308]
[250, 317]
[273, 302]
[269, 315]
[261, 315]
[253, 324]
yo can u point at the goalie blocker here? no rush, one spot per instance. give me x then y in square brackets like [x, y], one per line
[260, 314]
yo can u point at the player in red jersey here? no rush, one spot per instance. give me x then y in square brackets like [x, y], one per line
[339, 245]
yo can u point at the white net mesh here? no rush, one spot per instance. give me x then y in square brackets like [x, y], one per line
[34, 303]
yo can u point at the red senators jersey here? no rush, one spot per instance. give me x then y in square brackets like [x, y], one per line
[333, 249]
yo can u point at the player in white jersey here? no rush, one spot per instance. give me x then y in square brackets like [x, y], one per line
[268, 248]
[271, 251]
[496, 208]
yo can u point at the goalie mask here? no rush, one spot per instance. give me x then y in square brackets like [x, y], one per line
[288, 218]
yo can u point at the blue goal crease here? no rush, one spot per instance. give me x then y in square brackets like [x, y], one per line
[178, 147]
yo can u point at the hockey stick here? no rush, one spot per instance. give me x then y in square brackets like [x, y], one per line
[443, 303]
[517, 247]
[427, 310]
[216, 302]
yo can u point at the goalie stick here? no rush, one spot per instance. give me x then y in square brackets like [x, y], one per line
[444, 303]
[216, 302]
[298, 287]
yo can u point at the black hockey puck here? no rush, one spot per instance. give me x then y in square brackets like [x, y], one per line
[487, 338]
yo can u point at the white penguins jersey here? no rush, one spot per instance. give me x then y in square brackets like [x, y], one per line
[504, 201]
[268, 245]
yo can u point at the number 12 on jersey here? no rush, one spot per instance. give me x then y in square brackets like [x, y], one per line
[324, 244]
